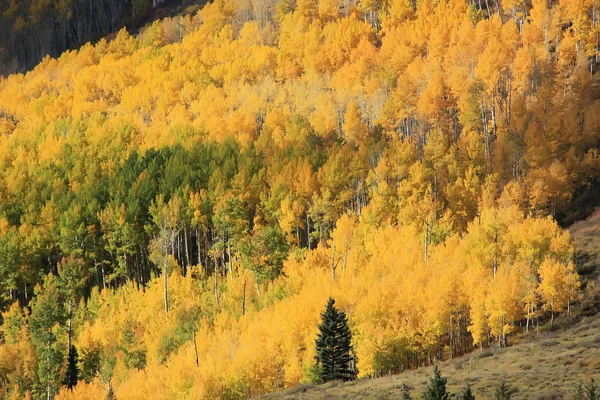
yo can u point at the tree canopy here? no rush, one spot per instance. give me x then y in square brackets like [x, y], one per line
[170, 202]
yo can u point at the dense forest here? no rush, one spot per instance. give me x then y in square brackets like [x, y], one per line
[32, 29]
[176, 207]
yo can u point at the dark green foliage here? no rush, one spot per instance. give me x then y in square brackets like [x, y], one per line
[587, 391]
[314, 374]
[467, 393]
[406, 392]
[579, 392]
[436, 390]
[334, 346]
[106, 225]
[502, 391]
[48, 336]
[390, 359]
[265, 252]
[10, 258]
[592, 392]
[89, 363]
[72, 375]
[50, 27]
[135, 355]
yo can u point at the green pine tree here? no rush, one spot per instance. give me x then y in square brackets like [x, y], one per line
[502, 391]
[334, 346]
[591, 391]
[406, 392]
[72, 375]
[467, 393]
[437, 387]
[579, 392]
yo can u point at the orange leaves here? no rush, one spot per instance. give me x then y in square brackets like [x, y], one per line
[291, 213]
[498, 53]
[503, 302]
[339, 39]
[396, 301]
[558, 284]
[354, 128]
[441, 112]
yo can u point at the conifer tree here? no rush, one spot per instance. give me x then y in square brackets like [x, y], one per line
[437, 387]
[579, 392]
[334, 346]
[467, 393]
[502, 391]
[591, 391]
[72, 375]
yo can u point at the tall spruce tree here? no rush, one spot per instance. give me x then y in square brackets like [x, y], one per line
[591, 391]
[72, 375]
[334, 348]
[436, 390]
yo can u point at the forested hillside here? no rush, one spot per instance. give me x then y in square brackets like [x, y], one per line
[177, 207]
[32, 29]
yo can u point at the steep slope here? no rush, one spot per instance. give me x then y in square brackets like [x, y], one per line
[32, 29]
[549, 366]
[546, 365]
[177, 206]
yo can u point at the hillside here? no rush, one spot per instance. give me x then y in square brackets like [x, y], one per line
[547, 365]
[178, 206]
[34, 29]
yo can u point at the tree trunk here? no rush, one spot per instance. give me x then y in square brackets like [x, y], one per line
[216, 286]
[70, 329]
[451, 340]
[199, 251]
[552, 317]
[165, 277]
[187, 250]
[307, 231]
[195, 347]
[244, 300]
[230, 262]
[333, 263]
[48, 369]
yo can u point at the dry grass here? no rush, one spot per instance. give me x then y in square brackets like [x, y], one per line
[540, 369]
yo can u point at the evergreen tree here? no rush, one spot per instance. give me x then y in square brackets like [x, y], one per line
[502, 391]
[437, 387]
[467, 393]
[579, 392]
[591, 391]
[72, 375]
[334, 346]
[406, 392]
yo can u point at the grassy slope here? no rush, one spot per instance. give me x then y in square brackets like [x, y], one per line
[547, 365]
